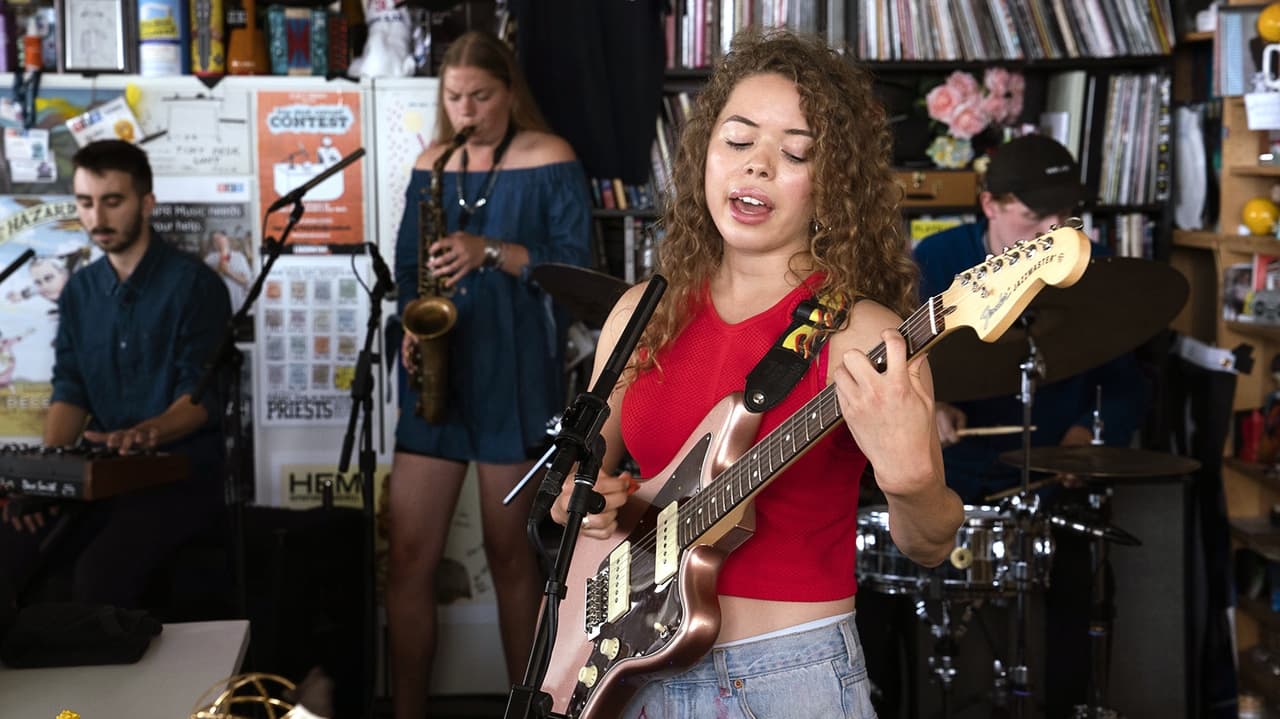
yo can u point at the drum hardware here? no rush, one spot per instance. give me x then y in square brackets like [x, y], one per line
[936, 613]
[1118, 303]
[1100, 468]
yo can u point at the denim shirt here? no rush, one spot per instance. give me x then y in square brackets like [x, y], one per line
[126, 350]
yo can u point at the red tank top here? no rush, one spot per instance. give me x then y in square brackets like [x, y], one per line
[806, 519]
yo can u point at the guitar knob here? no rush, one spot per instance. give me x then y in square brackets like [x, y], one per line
[610, 647]
[588, 675]
[961, 557]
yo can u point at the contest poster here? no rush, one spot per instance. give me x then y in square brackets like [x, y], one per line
[300, 135]
[311, 321]
[211, 218]
[48, 225]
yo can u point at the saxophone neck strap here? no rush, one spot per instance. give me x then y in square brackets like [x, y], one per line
[785, 363]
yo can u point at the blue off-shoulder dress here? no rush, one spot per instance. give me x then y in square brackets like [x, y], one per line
[506, 376]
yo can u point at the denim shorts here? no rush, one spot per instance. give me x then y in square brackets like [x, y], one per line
[810, 674]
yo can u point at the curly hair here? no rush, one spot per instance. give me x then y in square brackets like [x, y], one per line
[484, 51]
[856, 240]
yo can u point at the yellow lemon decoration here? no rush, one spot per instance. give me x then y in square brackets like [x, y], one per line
[1269, 23]
[1259, 215]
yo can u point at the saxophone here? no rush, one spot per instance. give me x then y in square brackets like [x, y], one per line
[430, 317]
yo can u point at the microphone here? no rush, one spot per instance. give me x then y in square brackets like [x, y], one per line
[380, 269]
[301, 190]
[1106, 531]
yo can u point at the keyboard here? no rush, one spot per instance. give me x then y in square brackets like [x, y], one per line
[83, 473]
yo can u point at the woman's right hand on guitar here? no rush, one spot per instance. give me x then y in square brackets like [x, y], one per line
[407, 346]
[615, 488]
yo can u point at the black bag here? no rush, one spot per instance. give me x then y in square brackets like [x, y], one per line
[68, 634]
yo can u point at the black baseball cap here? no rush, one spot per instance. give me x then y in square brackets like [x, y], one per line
[1037, 170]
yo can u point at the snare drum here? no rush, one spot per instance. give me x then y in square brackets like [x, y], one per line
[982, 563]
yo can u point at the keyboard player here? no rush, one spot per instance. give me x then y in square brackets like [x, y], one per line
[135, 328]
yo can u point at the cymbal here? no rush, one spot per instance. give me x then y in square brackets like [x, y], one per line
[587, 294]
[1116, 305]
[1098, 463]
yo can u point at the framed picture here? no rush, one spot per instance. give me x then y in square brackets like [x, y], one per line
[95, 36]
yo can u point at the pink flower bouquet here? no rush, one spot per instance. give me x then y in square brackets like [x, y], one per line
[967, 109]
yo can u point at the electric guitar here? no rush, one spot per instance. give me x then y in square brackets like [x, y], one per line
[643, 604]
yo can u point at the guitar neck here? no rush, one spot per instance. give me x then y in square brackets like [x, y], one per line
[797, 433]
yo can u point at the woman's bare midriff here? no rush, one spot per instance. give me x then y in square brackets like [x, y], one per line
[741, 617]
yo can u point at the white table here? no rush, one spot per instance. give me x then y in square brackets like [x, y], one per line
[182, 663]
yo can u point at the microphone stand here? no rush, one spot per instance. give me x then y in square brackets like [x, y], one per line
[579, 442]
[13, 266]
[362, 407]
[229, 357]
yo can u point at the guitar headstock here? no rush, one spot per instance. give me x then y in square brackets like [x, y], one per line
[990, 296]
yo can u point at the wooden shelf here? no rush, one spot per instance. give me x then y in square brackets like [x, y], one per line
[1262, 330]
[1258, 534]
[1254, 170]
[1265, 474]
[1196, 37]
[892, 67]
[1262, 613]
[1244, 244]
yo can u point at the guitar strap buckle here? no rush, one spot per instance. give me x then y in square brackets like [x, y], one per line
[777, 373]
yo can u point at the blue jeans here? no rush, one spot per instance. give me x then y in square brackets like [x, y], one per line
[817, 673]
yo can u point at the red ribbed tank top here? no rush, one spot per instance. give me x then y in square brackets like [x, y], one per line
[806, 519]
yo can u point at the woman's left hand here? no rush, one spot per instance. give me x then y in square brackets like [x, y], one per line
[891, 416]
[455, 255]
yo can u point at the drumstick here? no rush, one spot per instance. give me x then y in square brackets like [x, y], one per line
[988, 431]
[1030, 487]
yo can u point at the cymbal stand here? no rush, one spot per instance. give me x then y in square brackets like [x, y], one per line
[1031, 369]
[935, 610]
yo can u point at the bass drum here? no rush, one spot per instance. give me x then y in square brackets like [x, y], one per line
[981, 565]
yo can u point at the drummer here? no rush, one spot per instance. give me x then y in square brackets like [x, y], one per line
[1031, 184]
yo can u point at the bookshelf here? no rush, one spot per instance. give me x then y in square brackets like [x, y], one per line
[1251, 489]
[1125, 94]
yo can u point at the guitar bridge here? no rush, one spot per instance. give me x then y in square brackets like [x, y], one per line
[596, 602]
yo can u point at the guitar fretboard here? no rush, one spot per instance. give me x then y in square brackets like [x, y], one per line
[795, 435]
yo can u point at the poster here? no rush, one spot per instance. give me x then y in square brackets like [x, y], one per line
[310, 330]
[194, 130]
[404, 121]
[300, 135]
[211, 218]
[48, 225]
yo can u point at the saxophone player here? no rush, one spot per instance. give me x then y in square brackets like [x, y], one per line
[510, 196]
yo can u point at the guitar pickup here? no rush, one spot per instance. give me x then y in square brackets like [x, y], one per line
[619, 600]
[667, 557]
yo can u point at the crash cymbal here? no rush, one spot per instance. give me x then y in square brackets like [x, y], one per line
[1119, 303]
[1098, 463]
[587, 294]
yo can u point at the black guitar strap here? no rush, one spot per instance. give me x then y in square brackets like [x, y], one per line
[785, 363]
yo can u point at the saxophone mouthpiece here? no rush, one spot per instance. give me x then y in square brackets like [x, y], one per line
[463, 134]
